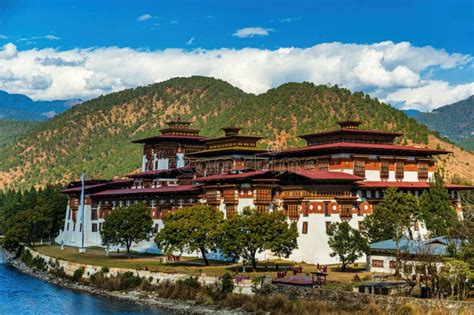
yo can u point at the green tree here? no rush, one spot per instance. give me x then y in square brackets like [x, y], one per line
[253, 232]
[347, 243]
[127, 225]
[437, 208]
[190, 229]
[393, 218]
[25, 227]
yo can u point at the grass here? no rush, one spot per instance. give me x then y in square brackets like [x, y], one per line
[187, 265]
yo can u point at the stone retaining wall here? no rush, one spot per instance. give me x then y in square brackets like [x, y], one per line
[360, 300]
[69, 268]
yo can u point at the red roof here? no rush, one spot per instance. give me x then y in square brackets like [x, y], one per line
[349, 130]
[169, 137]
[232, 176]
[158, 172]
[159, 190]
[326, 175]
[89, 187]
[406, 185]
[363, 146]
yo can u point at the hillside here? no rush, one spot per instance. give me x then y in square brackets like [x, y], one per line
[454, 121]
[95, 135]
[21, 107]
[11, 130]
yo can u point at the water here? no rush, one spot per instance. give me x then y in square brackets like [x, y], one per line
[23, 294]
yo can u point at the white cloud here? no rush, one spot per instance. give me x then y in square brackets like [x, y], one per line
[252, 32]
[8, 51]
[431, 95]
[290, 19]
[144, 17]
[52, 37]
[391, 71]
[190, 41]
[3, 36]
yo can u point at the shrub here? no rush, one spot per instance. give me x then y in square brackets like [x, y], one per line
[191, 282]
[77, 275]
[227, 284]
[26, 257]
[39, 263]
[104, 270]
[58, 272]
[147, 286]
[130, 281]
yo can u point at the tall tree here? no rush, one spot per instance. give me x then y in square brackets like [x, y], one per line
[347, 243]
[393, 218]
[127, 225]
[253, 232]
[190, 229]
[437, 208]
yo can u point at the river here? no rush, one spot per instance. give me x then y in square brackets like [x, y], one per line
[23, 294]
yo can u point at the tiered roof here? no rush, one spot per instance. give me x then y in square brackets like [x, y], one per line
[176, 130]
[349, 138]
[231, 143]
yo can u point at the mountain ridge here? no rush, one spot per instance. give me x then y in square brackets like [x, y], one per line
[453, 121]
[95, 136]
[21, 107]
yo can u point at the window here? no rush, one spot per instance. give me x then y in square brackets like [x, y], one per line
[326, 209]
[361, 226]
[392, 264]
[377, 263]
[420, 270]
[305, 228]
[408, 269]
[230, 211]
[156, 228]
[399, 170]
[359, 168]
[262, 208]
[417, 226]
[423, 171]
[329, 228]
[384, 170]
[94, 227]
[324, 165]
[292, 211]
[67, 227]
[94, 214]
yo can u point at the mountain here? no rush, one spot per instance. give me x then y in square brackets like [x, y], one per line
[96, 135]
[11, 130]
[21, 107]
[454, 121]
[411, 112]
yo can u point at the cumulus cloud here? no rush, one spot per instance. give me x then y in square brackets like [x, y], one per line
[396, 72]
[2, 36]
[190, 41]
[8, 51]
[252, 32]
[144, 17]
[431, 95]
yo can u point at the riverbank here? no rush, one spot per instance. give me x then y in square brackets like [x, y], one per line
[133, 296]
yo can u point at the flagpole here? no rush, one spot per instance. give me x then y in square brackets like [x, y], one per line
[82, 249]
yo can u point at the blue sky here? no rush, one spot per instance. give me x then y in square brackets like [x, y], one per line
[76, 34]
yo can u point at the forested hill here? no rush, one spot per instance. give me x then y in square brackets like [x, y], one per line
[454, 121]
[12, 130]
[95, 135]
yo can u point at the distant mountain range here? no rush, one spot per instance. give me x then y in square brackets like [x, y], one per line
[21, 107]
[454, 121]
